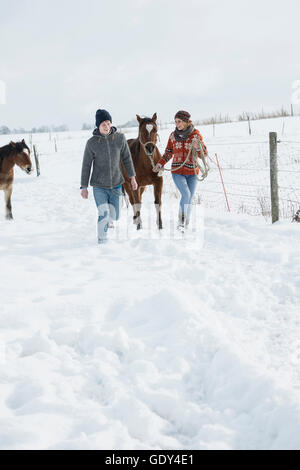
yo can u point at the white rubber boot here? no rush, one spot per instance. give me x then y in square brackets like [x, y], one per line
[180, 225]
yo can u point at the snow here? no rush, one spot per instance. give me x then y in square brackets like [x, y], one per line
[152, 341]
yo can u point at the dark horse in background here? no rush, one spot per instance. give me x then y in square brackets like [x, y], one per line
[145, 155]
[15, 153]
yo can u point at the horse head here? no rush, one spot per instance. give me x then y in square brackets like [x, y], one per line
[22, 156]
[148, 133]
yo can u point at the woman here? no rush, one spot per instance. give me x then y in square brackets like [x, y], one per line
[106, 149]
[179, 144]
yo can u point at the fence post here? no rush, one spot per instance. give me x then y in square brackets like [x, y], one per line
[249, 126]
[274, 176]
[37, 163]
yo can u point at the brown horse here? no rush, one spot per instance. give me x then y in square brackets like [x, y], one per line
[145, 155]
[15, 153]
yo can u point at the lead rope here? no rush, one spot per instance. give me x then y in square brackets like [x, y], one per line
[202, 164]
[151, 156]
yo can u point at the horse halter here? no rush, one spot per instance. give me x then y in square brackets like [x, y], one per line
[144, 144]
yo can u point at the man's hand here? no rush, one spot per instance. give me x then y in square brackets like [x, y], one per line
[84, 193]
[134, 184]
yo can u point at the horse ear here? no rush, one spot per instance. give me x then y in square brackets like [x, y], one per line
[13, 143]
[154, 117]
[23, 141]
[138, 118]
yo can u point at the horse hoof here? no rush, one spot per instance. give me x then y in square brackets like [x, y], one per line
[9, 217]
[139, 226]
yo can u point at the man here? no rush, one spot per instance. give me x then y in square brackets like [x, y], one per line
[106, 149]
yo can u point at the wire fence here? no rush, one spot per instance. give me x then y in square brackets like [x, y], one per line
[245, 168]
[247, 183]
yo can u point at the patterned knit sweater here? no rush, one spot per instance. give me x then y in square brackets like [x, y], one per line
[179, 151]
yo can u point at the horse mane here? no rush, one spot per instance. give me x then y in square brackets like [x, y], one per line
[135, 146]
[147, 120]
[4, 152]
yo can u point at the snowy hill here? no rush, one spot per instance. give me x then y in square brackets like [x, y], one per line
[150, 341]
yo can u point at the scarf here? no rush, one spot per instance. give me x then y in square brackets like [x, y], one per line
[183, 135]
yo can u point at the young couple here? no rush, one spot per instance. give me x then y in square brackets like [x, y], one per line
[107, 148]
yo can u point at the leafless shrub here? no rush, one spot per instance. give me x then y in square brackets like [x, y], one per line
[217, 119]
[265, 206]
[263, 115]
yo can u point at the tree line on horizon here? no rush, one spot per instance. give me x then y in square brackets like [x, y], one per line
[217, 119]
[34, 130]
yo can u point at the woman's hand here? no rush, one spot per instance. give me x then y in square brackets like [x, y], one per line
[195, 143]
[84, 193]
[157, 167]
[134, 184]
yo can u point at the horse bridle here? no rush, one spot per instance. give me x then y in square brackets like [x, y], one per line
[144, 144]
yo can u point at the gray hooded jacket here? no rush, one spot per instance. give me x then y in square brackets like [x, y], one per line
[106, 152]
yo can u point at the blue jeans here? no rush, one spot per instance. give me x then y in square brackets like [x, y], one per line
[108, 202]
[187, 186]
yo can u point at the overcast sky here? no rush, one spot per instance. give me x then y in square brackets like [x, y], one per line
[62, 60]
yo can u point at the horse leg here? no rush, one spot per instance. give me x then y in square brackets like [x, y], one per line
[136, 204]
[157, 201]
[129, 191]
[137, 195]
[7, 196]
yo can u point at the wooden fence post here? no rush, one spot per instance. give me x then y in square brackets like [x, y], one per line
[249, 126]
[274, 176]
[37, 163]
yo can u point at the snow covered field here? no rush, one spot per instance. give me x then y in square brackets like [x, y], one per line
[148, 342]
